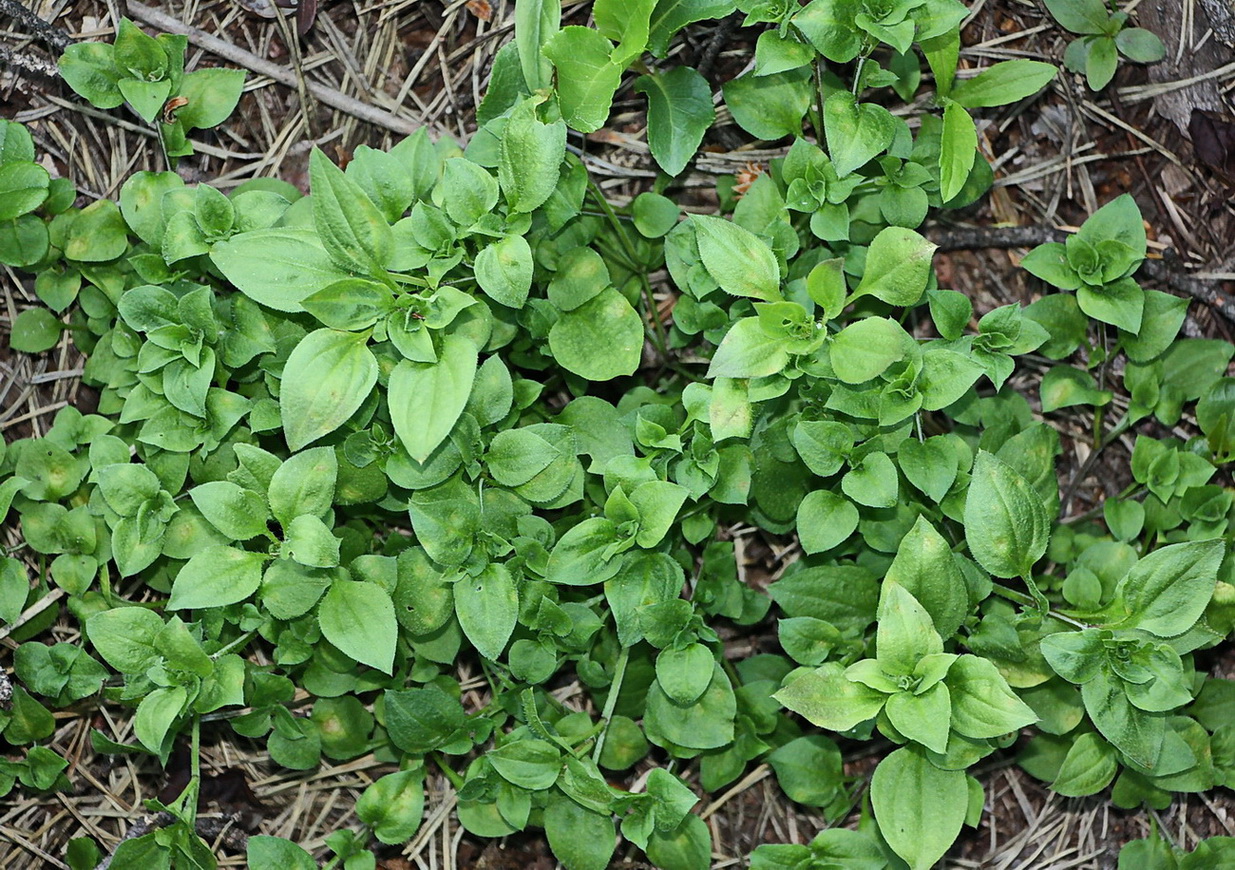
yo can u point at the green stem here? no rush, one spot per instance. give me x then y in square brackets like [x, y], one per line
[1017, 597]
[615, 688]
[235, 644]
[816, 111]
[447, 770]
[659, 336]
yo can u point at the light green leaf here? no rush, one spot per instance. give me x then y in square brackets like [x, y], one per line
[1005, 520]
[1168, 590]
[898, 267]
[530, 157]
[426, 399]
[825, 520]
[748, 351]
[487, 606]
[327, 378]
[1004, 83]
[601, 339]
[587, 76]
[352, 229]
[359, 618]
[827, 698]
[957, 149]
[216, 577]
[924, 566]
[393, 806]
[536, 22]
[277, 267]
[738, 260]
[920, 808]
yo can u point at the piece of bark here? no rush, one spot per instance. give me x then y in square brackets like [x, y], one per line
[1166, 20]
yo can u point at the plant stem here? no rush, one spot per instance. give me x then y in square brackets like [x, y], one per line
[615, 688]
[1017, 597]
[659, 337]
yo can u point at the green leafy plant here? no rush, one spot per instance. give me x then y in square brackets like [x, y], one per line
[431, 413]
[147, 74]
[1105, 35]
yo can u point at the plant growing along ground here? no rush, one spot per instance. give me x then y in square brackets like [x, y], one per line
[430, 413]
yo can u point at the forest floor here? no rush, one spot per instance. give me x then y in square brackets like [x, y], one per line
[397, 65]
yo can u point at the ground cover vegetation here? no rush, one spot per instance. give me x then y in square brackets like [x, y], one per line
[430, 412]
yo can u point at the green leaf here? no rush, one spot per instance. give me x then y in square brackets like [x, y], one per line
[924, 566]
[831, 29]
[670, 16]
[310, 542]
[536, 22]
[580, 838]
[529, 763]
[679, 113]
[90, 70]
[770, 107]
[530, 157]
[304, 485]
[504, 271]
[1089, 767]
[352, 230]
[1005, 521]
[905, 633]
[326, 379]
[738, 260]
[808, 769]
[97, 234]
[957, 149]
[426, 399]
[125, 637]
[359, 618]
[1168, 590]
[1064, 386]
[1121, 304]
[1004, 83]
[706, 724]
[216, 577]
[581, 557]
[236, 512]
[488, 606]
[825, 520]
[1140, 45]
[275, 853]
[277, 267]
[35, 330]
[684, 674]
[212, 95]
[748, 351]
[983, 705]
[601, 339]
[864, 349]
[898, 267]
[1101, 61]
[23, 188]
[351, 304]
[920, 808]
[1080, 16]
[856, 132]
[1135, 733]
[827, 698]
[658, 503]
[156, 714]
[587, 76]
[626, 23]
[394, 805]
[873, 481]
